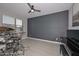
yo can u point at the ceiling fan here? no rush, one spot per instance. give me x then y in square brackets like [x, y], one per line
[32, 8]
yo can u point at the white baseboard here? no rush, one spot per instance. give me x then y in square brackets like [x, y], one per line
[23, 38]
[45, 40]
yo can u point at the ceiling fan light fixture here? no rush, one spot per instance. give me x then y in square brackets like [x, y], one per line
[32, 10]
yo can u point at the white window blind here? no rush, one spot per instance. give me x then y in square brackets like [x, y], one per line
[8, 20]
[18, 23]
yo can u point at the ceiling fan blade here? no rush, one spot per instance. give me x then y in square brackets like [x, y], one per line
[29, 5]
[37, 10]
[29, 11]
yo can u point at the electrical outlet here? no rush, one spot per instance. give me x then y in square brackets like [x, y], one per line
[56, 38]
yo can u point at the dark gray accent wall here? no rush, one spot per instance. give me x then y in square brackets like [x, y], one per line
[48, 27]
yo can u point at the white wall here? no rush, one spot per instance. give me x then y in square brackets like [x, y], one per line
[25, 27]
[0, 19]
[70, 18]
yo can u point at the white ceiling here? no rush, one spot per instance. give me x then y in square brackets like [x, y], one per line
[20, 10]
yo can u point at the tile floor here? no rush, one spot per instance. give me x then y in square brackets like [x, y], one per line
[40, 48]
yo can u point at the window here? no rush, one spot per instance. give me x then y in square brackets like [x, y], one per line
[8, 20]
[18, 23]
